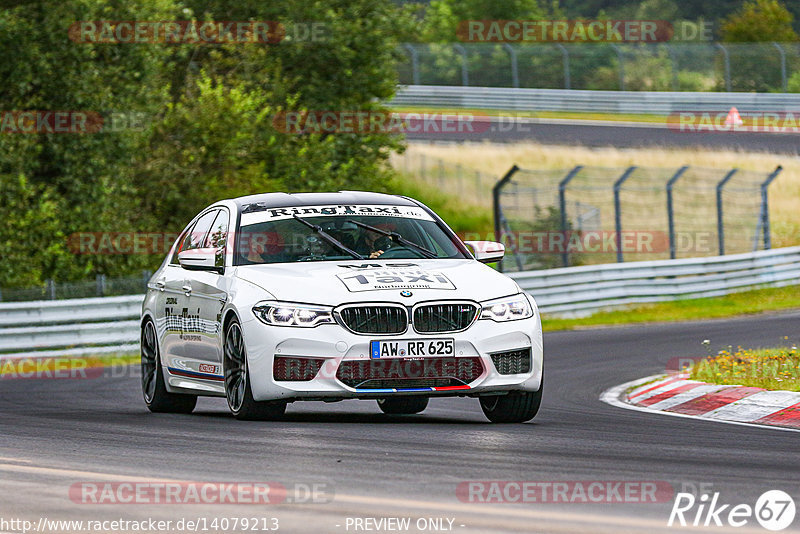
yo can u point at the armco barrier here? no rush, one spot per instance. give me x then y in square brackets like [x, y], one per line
[586, 289]
[650, 103]
[98, 325]
[74, 326]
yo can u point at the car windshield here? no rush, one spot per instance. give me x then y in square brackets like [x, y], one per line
[334, 233]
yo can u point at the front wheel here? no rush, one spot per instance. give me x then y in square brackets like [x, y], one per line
[403, 405]
[156, 396]
[512, 408]
[237, 381]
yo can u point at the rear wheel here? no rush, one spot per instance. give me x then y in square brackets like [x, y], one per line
[156, 396]
[237, 381]
[403, 405]
[516, 407]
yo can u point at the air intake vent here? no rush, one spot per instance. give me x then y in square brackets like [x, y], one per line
[409, 372]
[513, 362]
[375, 319]
[448, 317]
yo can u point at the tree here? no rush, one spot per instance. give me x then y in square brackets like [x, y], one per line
[759, 21]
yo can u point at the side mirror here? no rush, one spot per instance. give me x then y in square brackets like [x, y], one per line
[487, 251]
[199, 259]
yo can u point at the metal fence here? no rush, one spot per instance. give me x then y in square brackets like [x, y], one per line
[741, 67]
[65, 327]
[594, 215]
[580, 291]
[650, 103]
[101, 286]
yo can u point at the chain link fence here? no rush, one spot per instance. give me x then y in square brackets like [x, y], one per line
[592, 215]
[101, 286]
[731, 67]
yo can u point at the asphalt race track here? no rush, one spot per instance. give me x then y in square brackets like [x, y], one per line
[602, 134]
[56, 433]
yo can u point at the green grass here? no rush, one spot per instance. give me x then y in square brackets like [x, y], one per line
[748, 302]
[777, 368]
[574, 115]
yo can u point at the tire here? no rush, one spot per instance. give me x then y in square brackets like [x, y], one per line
[403, 405]
[154, 391]
[237, 381]
[512, 408]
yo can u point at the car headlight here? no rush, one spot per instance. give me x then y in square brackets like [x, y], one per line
[507, 308]
[289, 314]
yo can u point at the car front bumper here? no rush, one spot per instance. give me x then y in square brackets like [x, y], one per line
[333, 344]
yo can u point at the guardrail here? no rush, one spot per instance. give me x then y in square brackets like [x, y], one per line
[583, 290]
[75, 326]
[103, 325]
[650, 103]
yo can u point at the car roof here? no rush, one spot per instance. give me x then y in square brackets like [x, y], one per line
[282, 200]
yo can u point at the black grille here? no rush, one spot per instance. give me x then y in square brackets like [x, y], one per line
[512, 362]
[409, 372]
[375, 319]
[444, 317]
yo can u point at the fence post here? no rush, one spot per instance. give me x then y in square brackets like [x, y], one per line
[765, 207]
[562, 205]
[673, 65]
[618, 213]
[565, 60]
[621, 57]
[497, 208]
[727, 57]
[514, 66]
[784, 80]
[50, 289]
[720, 221]
[671, 211]
[464, 68]
[414, 62]
[100, 284]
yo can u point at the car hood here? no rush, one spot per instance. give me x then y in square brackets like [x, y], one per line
[334, 283]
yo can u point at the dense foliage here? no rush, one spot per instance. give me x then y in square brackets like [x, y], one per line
[205, 124]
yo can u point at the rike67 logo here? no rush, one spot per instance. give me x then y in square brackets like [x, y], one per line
[774, 510]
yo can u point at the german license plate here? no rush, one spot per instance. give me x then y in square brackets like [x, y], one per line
[412, 348]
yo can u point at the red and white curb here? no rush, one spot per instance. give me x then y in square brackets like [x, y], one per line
[676, 395]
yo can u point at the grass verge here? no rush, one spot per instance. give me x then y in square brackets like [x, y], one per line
[777, 368]
[736, 304]
[566, 115]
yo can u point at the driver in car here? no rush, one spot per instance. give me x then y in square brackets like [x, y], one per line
[372, 244]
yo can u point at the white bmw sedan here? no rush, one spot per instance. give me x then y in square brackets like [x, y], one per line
[275, 298]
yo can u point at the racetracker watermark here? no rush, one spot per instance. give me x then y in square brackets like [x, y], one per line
[565, 31]
[69, 122]
[599, 241]
[164, 492]
[733, 121]
[379, 122]
[196, 32]
[68, 367]
[564, 491]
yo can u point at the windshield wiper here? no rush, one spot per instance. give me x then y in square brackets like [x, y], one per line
[329, 238]
[394, 236]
